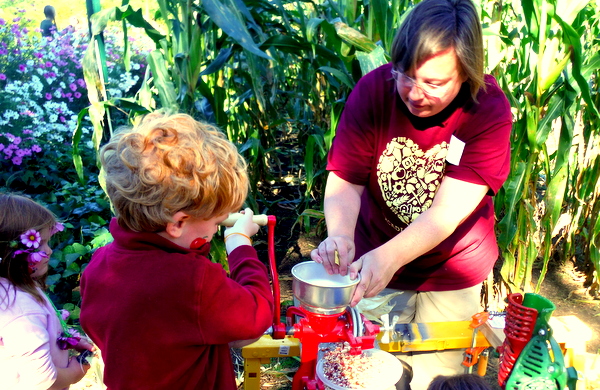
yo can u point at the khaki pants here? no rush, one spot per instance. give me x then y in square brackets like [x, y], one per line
[434, 306]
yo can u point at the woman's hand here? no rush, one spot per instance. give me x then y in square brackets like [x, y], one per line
[335, 253]
[376, 270]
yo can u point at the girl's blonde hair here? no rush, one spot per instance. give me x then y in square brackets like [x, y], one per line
[17, 215]
[170, 163]
[434, 26]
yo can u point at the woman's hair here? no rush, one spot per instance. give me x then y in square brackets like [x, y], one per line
[434, 26]
[459, 382]
[170, 163]
[17, 215]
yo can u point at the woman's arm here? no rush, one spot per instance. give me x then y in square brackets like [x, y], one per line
[342, 205]
[453, 203]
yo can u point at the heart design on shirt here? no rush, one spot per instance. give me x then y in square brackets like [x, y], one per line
[409, 177]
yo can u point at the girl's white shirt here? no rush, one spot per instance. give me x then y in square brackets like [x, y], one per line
[29, 353]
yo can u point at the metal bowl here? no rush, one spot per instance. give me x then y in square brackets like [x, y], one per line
[319, 292]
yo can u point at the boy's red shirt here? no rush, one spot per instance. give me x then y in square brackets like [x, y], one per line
[163, 315]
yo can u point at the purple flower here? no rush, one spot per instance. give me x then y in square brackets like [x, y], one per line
[17, 160]
[2, 76]
[27, 131]
[31, 238]
[81, 83]
[73, 87]
[48, 96]
[48, 64]
[17, 140]
[77, 95]
[67, 342]
[3, 52]
[22, 68]
[2, 22]
[38, 55]
[36, 148]
[62, 119]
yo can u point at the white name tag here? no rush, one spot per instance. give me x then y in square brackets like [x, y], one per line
[455, 151]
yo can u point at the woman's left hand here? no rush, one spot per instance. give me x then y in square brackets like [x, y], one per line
[376, 270]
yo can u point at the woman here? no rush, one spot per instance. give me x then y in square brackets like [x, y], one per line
[421, 148]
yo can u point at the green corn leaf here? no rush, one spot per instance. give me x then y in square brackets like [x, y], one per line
[338, 75]
[555, 68]
[554, 110]
[219, 62]
[532, 116]
[312, 28]
[513, 187]
[134, 17]
[372, 60]
[224, 17]
[162, 80]
[595, 247]
[592, 65]
[569, 9]
[571, 37]
[531, 11]
[75, 140]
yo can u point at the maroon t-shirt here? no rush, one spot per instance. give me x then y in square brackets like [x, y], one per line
[401, 161]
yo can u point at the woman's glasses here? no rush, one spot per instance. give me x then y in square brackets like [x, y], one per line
[428, 89]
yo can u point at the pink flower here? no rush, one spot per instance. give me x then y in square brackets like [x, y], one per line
[36, 148]
[64, 314]
[2, 76]
[59, 227]
[21, 68]
[77, 95]
[73, 87]
[31, 238]
[36, 257]
[48, 96]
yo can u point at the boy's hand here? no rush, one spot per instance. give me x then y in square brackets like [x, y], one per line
[241, 231]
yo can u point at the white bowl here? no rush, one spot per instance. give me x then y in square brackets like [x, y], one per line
[388, 372]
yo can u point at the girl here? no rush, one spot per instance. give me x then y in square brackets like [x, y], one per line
[33, 346]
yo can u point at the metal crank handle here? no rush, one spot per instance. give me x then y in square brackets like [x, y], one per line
[259, 219]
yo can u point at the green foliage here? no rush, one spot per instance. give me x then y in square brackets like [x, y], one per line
[542, 72]
[274, 76]
[271, 74]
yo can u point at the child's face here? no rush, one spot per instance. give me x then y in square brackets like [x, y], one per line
[42, 266]
[199, 228]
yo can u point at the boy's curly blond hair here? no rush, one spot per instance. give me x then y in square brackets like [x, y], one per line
[170, 163]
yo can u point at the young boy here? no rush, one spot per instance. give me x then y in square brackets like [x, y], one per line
[160, 311]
